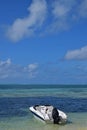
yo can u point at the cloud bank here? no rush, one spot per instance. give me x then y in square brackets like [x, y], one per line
[40, 73]
[10, 70]
[60, 12]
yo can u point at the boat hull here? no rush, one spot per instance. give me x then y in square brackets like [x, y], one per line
[38, 115]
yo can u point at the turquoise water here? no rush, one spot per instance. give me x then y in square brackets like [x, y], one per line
[79, 122]
[16, 99]
[75, 91]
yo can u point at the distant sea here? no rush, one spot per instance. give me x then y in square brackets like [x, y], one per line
[15, 101]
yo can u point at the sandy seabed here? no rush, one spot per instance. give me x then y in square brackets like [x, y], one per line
[76, 121]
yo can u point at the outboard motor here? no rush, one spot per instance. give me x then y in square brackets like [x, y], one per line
[55, 115]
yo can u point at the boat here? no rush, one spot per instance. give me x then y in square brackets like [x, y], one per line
[48, 114]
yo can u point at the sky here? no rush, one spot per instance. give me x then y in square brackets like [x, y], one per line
[43, 41]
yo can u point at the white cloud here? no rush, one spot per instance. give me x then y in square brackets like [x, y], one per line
[66, 12]
[32, 70]
[7, 62]
[82, 9]
[26, 26]
[32, 67]
[4, 68]
[79, 54]
[61, 8]
[62, 13]
[66, 9]
[10, 70]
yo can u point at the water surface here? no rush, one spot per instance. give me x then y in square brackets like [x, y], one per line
[15, 101]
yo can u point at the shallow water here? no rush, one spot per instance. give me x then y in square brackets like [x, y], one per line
[76, 121]
[16, 99]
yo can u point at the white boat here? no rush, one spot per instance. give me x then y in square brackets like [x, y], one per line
[48, 114]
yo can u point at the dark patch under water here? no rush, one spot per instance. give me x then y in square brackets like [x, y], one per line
[10, 107]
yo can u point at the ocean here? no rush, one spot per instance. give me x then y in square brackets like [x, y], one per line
[15, 101]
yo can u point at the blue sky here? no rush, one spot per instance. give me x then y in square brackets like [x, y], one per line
[43, 41]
